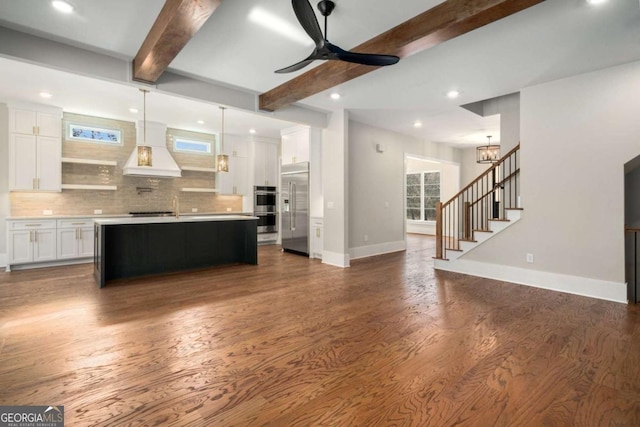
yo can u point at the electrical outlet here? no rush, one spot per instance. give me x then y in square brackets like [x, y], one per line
[194, 210]
[228, 209]
[530, 258]
[97, 211]
[366, 237]
[47, 212]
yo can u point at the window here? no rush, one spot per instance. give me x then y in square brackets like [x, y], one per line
[93, 134]
[191, 146]
[423, 192]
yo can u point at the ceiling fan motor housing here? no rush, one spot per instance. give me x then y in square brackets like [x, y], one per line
[326, 7]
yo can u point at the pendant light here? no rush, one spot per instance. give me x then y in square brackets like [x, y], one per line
[144, 151]
[223, 159]
[488, 153]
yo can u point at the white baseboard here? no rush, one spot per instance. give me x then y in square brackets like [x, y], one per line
[3, 260]
[336, 259]
[379, 249]
[594, 288]
[421, 228]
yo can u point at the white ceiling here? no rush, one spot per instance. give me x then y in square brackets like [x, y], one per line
[555, 39]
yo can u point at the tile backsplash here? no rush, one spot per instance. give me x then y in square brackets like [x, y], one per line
[133, 193]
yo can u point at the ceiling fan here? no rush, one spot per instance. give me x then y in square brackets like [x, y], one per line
[324, 49]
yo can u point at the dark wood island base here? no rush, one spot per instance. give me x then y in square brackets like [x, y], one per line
[144, 246]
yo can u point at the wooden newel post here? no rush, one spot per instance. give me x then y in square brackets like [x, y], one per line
[439, 230]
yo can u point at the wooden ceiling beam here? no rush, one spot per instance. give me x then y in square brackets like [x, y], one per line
[437, 25]
[176, 24]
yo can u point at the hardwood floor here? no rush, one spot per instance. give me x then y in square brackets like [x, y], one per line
[293, 342]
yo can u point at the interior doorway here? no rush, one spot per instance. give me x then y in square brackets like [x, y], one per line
[632, 228]
[427, 181]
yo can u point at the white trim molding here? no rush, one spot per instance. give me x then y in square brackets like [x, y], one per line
[336, 259]
[379, 249]
[584, 286]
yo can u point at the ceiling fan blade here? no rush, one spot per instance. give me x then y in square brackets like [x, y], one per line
[299, 65]
[307, 18]
[362, 58]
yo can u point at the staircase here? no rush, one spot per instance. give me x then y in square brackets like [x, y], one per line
[481, 210]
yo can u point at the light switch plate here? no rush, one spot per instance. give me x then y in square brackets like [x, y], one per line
[47, 212]
[228, 209]
[97, 211]
[194, 210]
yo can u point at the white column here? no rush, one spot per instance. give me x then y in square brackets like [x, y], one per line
[335, 173]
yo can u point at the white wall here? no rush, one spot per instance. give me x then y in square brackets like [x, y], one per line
[4, 181]
[576, 135]
[470, 169]
[376, 186]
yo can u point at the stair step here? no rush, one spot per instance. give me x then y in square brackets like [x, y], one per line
[453, 249]
[500, 219]
[483, 231]
[440, 259]
[468, 240]
[513, 209]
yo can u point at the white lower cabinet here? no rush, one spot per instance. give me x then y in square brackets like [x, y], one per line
[39, 241]
[75, 238]
[317, 238]
[31, 241]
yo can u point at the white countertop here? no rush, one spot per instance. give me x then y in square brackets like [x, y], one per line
[111, 216]
[171, 219]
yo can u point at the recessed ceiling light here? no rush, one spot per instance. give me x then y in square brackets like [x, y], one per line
[62, 6]
[45, 95]
[335, 96]
[133, 110]
[200, 122]
[417, 124]
[453, 94]
[252, 130]
[596, 1]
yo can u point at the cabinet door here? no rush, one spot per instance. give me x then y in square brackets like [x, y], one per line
[85, 242]
[49, 167]
[49, 125]
[67, 243]
[20, 247]
[302, 146]
[22, 162]
[240, 148]
[271, 165]
[288, 148]
[44, 246]
[22, 121]
[259, 176]
[240, 167]
[224, 180]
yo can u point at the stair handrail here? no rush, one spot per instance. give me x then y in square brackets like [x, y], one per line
[463, 221]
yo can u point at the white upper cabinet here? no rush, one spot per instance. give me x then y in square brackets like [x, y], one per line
[265, 164]
[236, 181]
[35, 148]
[295, 144]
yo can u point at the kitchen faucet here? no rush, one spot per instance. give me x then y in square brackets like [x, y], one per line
[175, 202]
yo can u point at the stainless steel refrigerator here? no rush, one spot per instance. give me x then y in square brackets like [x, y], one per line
[294, 196]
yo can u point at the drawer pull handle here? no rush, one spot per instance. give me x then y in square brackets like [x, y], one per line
[78, 223]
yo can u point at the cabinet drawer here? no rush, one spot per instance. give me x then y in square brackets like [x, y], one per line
[31, 225]
[75, 223]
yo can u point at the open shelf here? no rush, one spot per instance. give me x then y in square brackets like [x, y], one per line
[89, 187]
[89, 161]
[197, 169]
[199, 190]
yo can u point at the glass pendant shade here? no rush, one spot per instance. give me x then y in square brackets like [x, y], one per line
[488, 153]
[223, 163]
[144, 155]
[144, 151]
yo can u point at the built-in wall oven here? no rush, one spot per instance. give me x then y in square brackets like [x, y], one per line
[264, 207]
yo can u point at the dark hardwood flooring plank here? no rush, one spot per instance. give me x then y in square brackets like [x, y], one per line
[293, 342]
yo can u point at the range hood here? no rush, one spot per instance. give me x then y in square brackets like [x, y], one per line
[162, 165]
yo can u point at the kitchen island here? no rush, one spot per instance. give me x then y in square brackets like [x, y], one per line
[132, 247]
